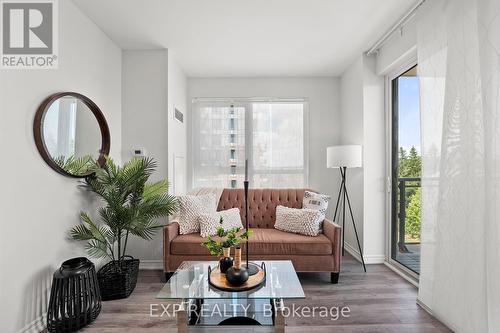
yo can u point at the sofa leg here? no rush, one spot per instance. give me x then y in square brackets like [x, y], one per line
[334, 277]
[168, 275]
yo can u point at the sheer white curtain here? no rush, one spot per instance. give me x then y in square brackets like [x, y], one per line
[278, 158]
[218, 144]
[459, 60]
[271, 135]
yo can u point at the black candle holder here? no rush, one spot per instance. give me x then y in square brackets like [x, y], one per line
[75, 299]
[251, 267]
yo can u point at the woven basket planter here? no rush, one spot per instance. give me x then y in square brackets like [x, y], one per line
[117, 280]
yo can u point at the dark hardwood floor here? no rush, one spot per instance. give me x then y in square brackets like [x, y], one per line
[379, 301]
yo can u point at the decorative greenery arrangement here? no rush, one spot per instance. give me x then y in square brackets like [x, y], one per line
[225, 239]
[132, 205]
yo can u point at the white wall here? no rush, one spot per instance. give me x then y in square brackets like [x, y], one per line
[397, 51]
[324, 125]
[351, 119]
[145, 125]
[374, 228]
[38, 205]
[177, 131]
[362, 119]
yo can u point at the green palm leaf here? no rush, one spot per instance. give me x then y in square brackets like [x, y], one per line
[97, 249]
[153, 190]
[96, 232]
[80, 232]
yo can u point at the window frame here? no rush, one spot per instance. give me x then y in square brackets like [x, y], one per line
[397, 71]
[247, 104]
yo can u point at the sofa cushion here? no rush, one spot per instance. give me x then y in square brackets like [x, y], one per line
[316, 201]
[189, 244]
[272, 241]
[262, 241]
[209, 222]
[299, 221]
[190, 208]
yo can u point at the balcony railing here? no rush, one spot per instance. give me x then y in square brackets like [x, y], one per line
[405, 184]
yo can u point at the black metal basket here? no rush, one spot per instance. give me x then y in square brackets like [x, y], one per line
[75, 300]
[118, 279]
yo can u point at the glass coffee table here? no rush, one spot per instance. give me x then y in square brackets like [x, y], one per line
[204, 305]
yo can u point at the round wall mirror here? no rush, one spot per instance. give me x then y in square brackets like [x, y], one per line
[71, 134]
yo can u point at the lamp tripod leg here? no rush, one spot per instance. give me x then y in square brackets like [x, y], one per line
[338, 201]
[343, 210]
[355, 229]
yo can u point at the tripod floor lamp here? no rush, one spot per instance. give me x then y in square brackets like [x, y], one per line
[343, 157]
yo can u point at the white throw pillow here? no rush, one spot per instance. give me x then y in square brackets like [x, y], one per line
[316, 201]
[191, 207]
[209, 222]
[299, 221]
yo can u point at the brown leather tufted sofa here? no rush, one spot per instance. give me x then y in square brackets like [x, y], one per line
[308, 254]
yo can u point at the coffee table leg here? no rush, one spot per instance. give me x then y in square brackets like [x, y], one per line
[195, 311]
[182, 318]
[279, 318]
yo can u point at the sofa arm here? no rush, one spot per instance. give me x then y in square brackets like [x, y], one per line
[334, 233]
[170, 231]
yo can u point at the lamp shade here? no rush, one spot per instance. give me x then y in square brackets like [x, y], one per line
[350, 156]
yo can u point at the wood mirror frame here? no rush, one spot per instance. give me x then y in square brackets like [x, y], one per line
[39, 138]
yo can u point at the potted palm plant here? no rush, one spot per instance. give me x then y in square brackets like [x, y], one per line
[131, 207]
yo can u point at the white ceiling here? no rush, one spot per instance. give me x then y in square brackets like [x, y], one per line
[241, 38]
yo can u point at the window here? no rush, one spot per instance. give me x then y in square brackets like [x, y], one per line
[270, 134]
[218, 145]
[278, 144]
[60, 126]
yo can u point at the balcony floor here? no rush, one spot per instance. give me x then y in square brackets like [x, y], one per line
[410, 259]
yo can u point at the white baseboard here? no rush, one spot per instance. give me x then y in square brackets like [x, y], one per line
[374, 259]
[36, 326]
[369, 259]
[151, 264]
[352, 251]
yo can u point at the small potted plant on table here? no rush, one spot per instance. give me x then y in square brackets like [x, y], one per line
[132, 206]
[224, 240]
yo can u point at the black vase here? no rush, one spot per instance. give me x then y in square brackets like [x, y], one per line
[75, 299]
[226, 261]
[237, 275]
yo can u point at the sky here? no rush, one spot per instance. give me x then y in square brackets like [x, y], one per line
[409, 112]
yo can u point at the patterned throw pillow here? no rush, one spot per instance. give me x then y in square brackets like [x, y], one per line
[191, 207]
[299, 221]
[210, 221]
[316, 201]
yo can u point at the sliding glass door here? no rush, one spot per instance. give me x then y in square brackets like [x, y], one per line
[405, 170]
